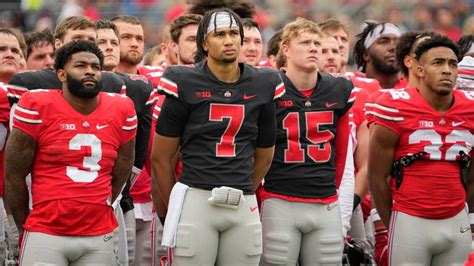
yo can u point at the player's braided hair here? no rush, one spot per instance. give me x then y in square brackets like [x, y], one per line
[359, 48]
[244, 9]
[64, 54]
[436, 41]
[465, 43]
[406, 46]
[202, 29]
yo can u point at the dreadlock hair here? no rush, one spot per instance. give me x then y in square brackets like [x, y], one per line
[465, 43]
[202, 29]
[359, 48]
[244, 9]
[64, 54]
[407, 45]
[436, 41]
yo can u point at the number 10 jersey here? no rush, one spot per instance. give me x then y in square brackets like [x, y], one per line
[72, 171]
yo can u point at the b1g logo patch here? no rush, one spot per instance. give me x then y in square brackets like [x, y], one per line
[283, 104]
[203, 94]
[67, 126]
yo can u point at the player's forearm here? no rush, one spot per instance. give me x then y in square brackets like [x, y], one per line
[164, 173]
[157, 198]
[20, 153]
[16, 198]
[382, 197]
[123, 167]
[262, 161]
[361, 187]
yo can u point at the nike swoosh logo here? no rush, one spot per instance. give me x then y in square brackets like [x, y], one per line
[248, 97]
[101, 127]
[107, 238]
[252, 209]
[464, 230]
[455, 124]
[329, 105]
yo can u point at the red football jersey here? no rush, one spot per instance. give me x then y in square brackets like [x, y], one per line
[4, 118]
[71, 175]
[152, 73]
[431, 186]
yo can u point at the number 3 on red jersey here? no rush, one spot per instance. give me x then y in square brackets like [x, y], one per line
[90, 162]
[235, 113]
[320, 152]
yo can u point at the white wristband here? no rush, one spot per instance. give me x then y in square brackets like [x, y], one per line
[471, 218]
[374, 215]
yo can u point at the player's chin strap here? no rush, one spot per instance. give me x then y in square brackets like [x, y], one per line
[405, 161]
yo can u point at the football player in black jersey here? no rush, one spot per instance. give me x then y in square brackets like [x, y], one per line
[139, 90]
[300, 214]
[221, 115]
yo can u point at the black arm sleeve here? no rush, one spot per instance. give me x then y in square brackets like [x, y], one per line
[143, 136]
[267, 126]
[173, 118]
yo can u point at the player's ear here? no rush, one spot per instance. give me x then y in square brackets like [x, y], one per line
[58, 43]
[61, 75]
[365, 56]
[285, 49]
[204, 46]
[407, 61]
[420, 71]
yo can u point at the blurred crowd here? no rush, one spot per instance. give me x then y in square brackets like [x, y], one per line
[453, 18]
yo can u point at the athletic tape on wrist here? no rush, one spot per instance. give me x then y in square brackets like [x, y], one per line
[375, 215]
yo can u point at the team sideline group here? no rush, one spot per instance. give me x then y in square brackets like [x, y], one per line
[202, 151]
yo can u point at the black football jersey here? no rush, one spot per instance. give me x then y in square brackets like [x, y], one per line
[139, 90]
[303, 164]
[219, 124]
[47, 79]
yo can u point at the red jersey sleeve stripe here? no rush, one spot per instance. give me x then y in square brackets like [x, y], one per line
[15, 91]
[169, 87]
[26, 111]
[279, 90]
[131, 118]
[352, 96]
[27, 120]
[382, 107]
[153, 98]
[385, 117]
[123, 90]
[130, 128]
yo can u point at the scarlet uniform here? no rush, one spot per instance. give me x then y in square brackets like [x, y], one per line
[71, 176]
[152, 73]
[4, 118]
[442, 136]
[402, 83]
